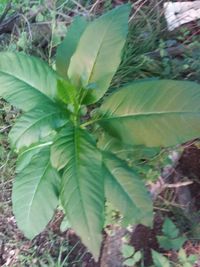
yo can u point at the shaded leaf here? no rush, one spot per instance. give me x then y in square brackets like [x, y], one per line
[126, 191]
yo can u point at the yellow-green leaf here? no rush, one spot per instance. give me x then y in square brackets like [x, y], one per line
[153, 113]
[67, 48]
[98, 54]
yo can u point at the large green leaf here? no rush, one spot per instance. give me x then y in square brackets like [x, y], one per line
[36, 125]
[98, 54]
[67, 48]
[126, 191]
[153, 113]
[26, 81]
[35, 190]
[82, 193]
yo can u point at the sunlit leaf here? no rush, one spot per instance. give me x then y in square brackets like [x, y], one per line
[67, 48]
[153, 113]
[98, 54]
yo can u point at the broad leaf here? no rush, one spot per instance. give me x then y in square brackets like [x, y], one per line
[126, 191]
[35, 191]
[26, 81]
[153, 113]
[98, 54]
[67, 48]
[82, 192]
[36, 125]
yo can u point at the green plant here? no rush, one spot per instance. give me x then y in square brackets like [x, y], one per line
[159, 260]
[67, 151]
[171, 238]
[62, 261]
[186, 261]
[182, 259]
[130, 256]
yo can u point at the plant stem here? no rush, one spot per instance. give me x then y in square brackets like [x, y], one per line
[87, 123]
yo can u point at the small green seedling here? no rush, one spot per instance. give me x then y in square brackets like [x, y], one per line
[171, 238]
[130, 256]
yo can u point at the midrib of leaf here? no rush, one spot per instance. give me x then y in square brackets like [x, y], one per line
[76, 150]
[35, 147]
[24, 81]
[36, 190]
[149, 114]
[108, 116]
[44, 117]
